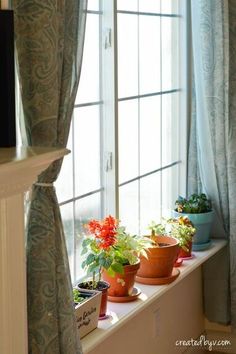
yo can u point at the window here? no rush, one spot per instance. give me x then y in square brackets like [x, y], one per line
[127, 155]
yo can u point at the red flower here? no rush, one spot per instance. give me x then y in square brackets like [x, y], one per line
[104, 231]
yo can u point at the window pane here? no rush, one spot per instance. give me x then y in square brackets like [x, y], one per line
[170, 62]
[68, 222]
[129, 207]
[149, 6]
[93, 5]
[127, 55]
[87, 149]
[150, 134]
[65, 190]
[149, 60]
[150, 201]
[169, 189]
[88, 90]
[131, 5]
[128, 140]
[85, 209]
[170, 140]
[169, 6]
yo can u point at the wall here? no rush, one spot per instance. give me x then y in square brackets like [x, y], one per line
[177, 315]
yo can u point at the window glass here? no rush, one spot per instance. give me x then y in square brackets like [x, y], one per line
[150, 6]
[169, 53]
[86, 149]
[150, 134]
[150, 201]
[130, 5]
[128, 140]
[149, 54]
[127, 55]
[88, 90]
[129, 206]
[65, 190]
[93, 5]
[85, 209]
[123, 111]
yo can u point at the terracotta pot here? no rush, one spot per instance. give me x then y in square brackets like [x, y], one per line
[160, 260]
[185, 254]
[102, 286]
[121, 284]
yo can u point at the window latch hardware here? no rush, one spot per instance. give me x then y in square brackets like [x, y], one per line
[107, 38]
[108, 161]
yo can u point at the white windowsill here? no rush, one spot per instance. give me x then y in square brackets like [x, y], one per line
[121, 313]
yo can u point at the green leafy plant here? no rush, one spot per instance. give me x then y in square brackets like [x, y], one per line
[157, 229]
[182, 229]
[109, 246]
[195, 204]
[77, 296]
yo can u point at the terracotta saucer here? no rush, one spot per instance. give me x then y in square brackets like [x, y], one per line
[190, 257]
[159, 281]
[178, 262]
[104, 317]
[135, 293]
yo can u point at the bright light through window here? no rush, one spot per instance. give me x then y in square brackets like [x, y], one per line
[130, 81]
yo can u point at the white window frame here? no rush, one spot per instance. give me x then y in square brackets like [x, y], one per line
[109, 108]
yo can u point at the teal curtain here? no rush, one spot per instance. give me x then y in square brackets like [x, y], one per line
[49, 42]
[212, 158]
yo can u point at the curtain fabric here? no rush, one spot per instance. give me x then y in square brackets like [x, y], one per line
[49, 42]
[213, 145]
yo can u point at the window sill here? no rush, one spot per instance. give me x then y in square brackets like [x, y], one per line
[119, 314]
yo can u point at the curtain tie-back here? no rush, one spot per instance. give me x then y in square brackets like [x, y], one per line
[43, 184]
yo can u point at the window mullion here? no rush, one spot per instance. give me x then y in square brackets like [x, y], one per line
[110, 108]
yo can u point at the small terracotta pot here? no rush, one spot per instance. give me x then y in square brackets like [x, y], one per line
[160, 260]
[185, 254]
[102, 286]
[121, 284]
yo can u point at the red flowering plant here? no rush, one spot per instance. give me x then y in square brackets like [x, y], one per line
[109, 246]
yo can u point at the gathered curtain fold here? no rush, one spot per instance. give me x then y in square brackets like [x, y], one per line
[49, 43]
[212, 159]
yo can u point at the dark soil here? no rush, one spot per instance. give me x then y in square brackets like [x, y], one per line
[89, 285]
[162, 244]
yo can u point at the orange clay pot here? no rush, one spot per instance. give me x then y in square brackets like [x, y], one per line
[121, 284]
[185, 254]
[160, 260]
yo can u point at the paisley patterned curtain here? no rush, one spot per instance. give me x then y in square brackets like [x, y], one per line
[49, 42]
[212, 158]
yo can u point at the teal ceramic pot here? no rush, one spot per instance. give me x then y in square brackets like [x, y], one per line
[203, 224]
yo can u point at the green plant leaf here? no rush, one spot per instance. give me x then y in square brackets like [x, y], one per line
[105, 262]
[111, 272]
[90, 259]
[93, 268]
[117, 268]
[84, 264]
[84, 251]
[86, 242]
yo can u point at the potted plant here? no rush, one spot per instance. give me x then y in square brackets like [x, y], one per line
[87, 307]
[112, 256]
[157, 229]
[182, 229]
[198, 208]
[156, 267]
